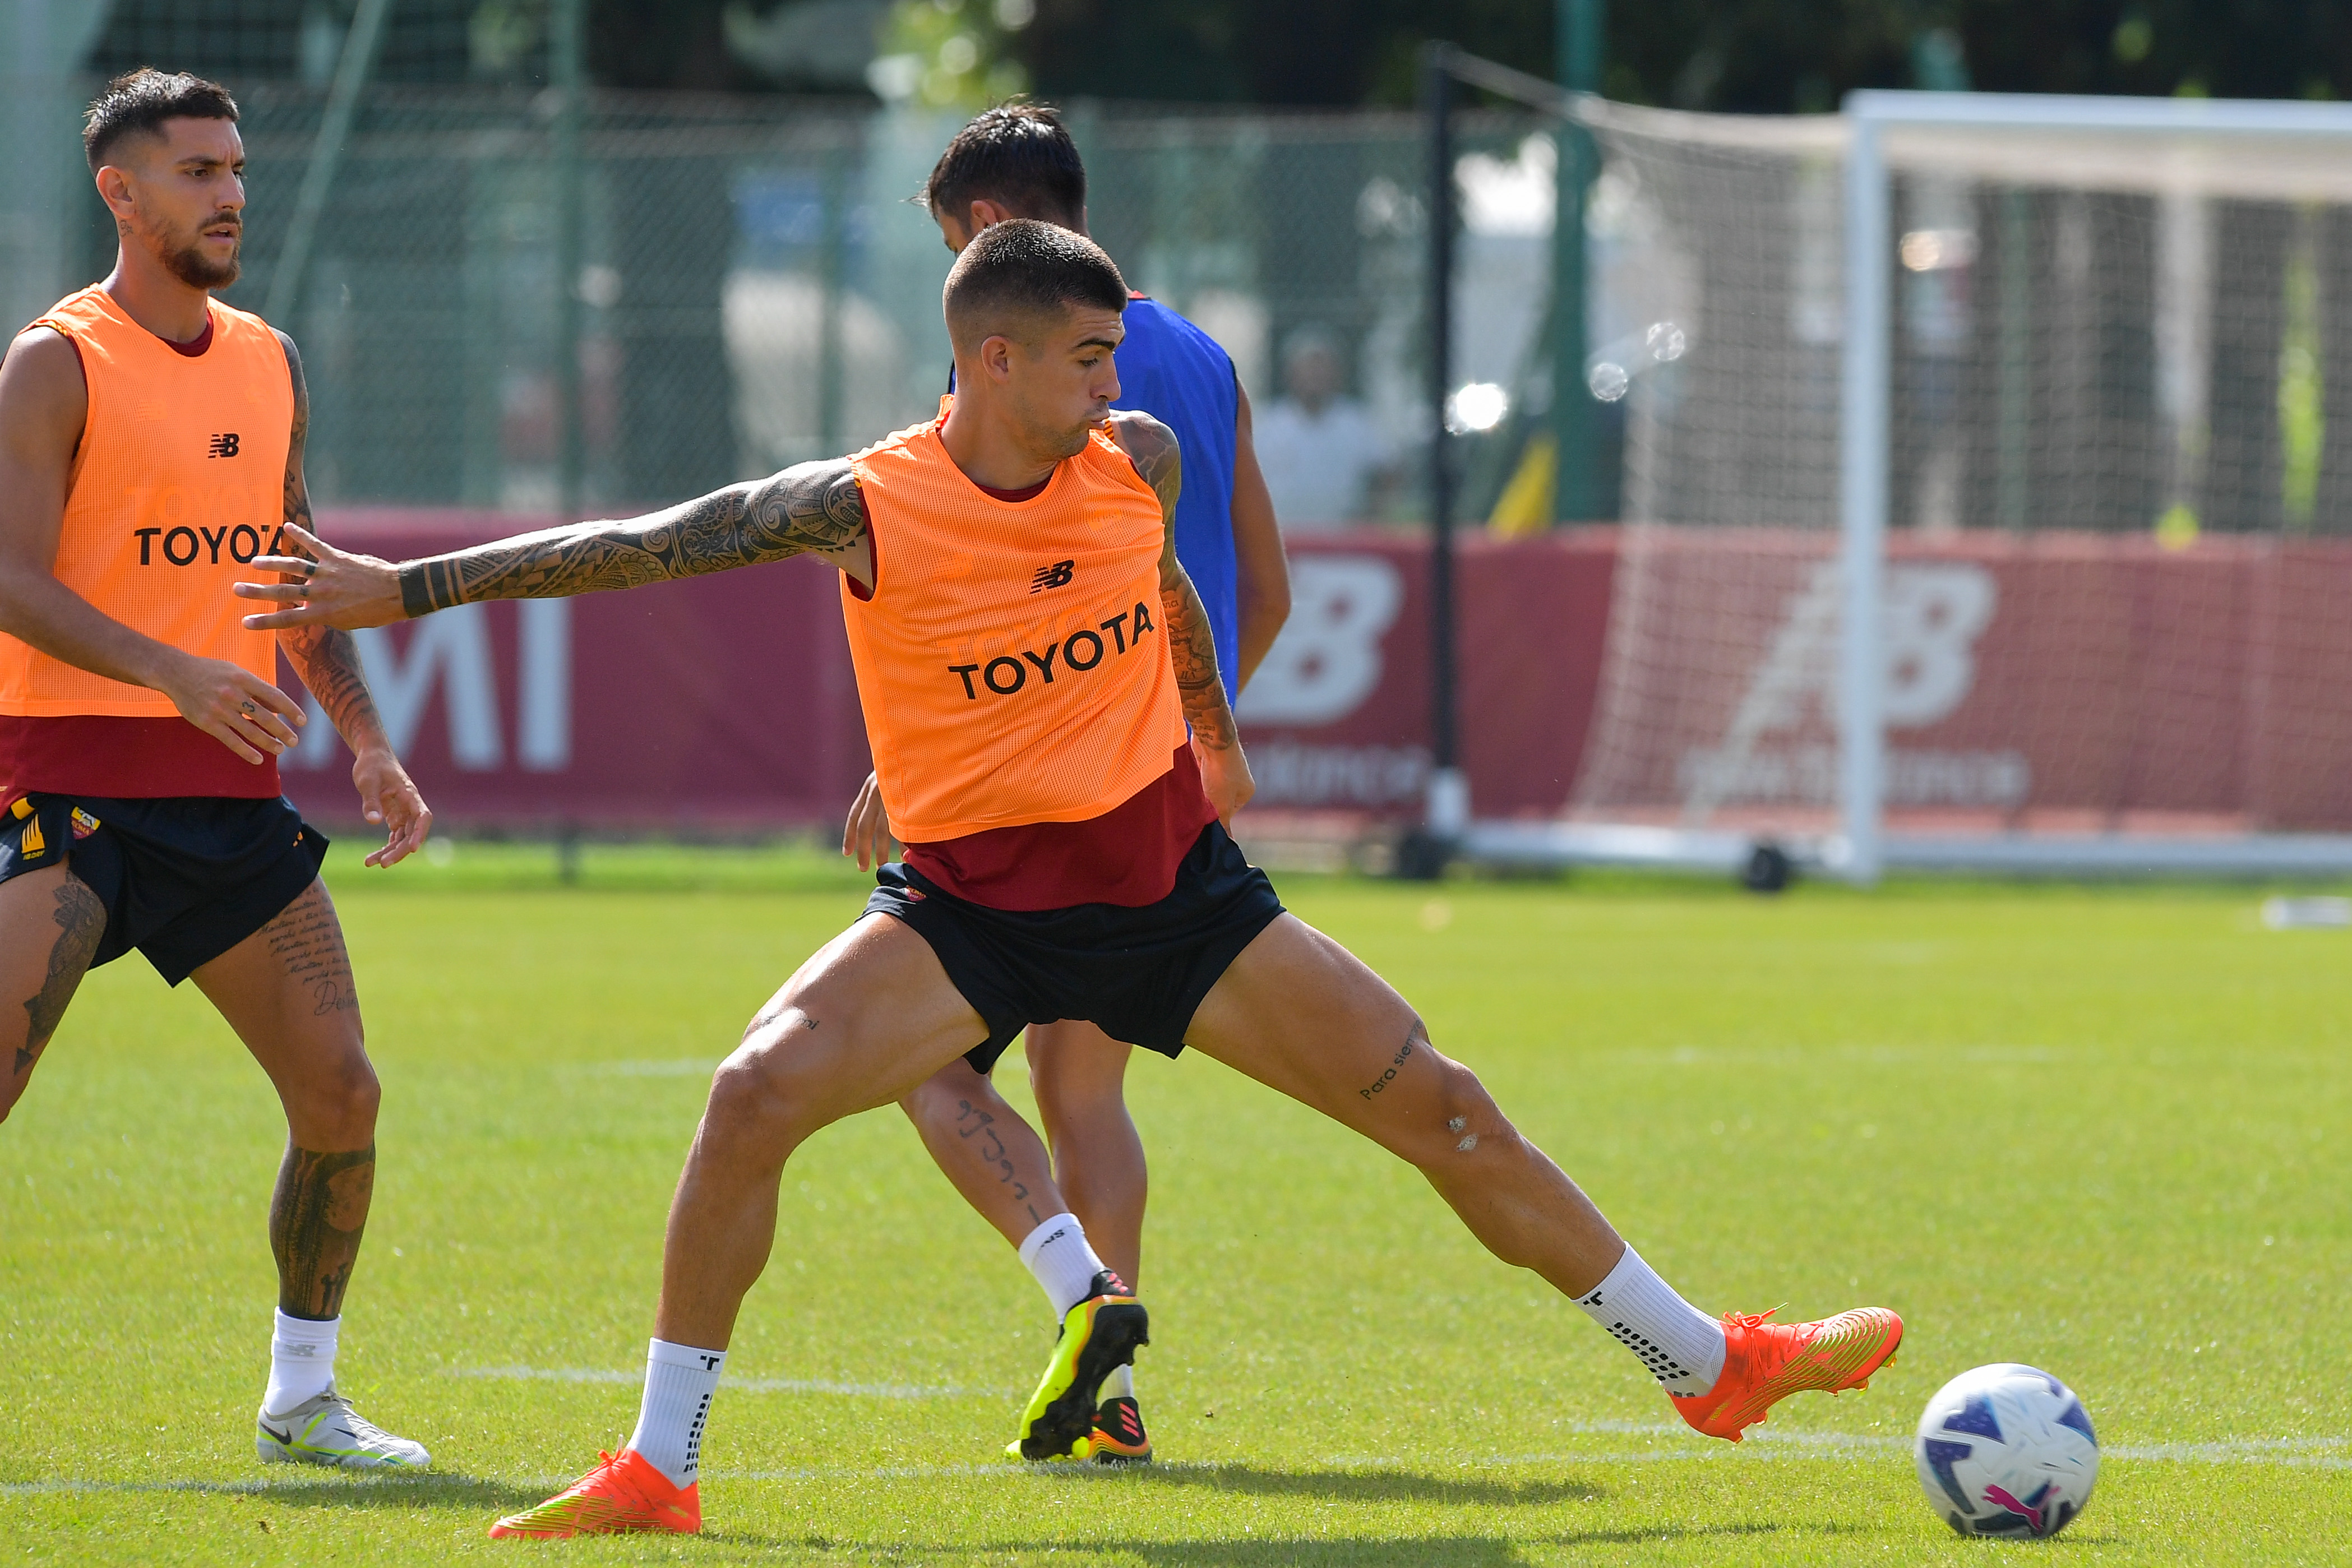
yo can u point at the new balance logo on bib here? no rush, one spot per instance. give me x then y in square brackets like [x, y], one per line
[987, 708]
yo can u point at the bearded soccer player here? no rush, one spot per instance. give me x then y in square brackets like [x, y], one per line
[1018, 161]
[150, 447]
[990, 706]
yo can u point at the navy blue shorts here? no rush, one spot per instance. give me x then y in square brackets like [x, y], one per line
[185, 878]
[1137, 974]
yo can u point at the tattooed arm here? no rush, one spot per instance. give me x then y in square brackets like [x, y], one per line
[1216, 742]
[810, 508]
[328, 660]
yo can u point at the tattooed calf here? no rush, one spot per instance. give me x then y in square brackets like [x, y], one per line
[316, 1217]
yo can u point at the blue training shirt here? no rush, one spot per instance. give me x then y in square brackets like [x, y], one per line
[1172, 371]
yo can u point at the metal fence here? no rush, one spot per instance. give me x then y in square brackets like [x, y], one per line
[757, 289]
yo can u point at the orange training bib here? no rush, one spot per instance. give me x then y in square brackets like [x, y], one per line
[180, 479]
[1010, 662]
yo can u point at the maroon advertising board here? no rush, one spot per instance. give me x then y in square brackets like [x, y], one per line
[2058, 680]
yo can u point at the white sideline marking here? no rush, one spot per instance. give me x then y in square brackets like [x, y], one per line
[240, 1488]
[2316, 1453]
[741, 1384]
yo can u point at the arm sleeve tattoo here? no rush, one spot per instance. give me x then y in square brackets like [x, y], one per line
[328, 660]
[812, 507]
[1190, 644]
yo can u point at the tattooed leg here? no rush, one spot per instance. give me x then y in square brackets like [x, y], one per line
[50, 924]
[286, 990]
[982, 1145]
[316, 1217]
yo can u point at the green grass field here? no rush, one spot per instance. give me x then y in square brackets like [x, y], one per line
[2107, 1132]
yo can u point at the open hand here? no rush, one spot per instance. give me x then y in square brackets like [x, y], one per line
[330, 587]
[868, 834]
[388, 796]
[237, 707]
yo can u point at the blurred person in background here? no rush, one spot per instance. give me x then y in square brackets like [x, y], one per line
[1017, 161]
[1323, 456]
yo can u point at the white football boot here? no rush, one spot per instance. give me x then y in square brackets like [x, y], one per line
[325, 1430]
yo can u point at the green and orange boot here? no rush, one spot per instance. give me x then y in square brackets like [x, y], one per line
[1097, 1335]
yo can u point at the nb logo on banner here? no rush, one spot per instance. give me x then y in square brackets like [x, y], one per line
[1328, 659]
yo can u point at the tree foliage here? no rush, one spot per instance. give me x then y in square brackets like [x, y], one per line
[1757, 56]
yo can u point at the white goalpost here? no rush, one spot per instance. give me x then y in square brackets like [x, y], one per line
[1993, 511]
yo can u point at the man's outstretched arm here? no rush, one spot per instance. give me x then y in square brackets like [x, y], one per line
[811, 509]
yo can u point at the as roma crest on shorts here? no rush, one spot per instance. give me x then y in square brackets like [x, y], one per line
[84, 824]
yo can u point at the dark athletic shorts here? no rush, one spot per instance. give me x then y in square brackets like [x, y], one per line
[1135, 973]
[184, 878]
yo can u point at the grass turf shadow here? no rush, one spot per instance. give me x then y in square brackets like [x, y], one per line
[1366, 1485]
[1319, 1551]
[1276, 1552]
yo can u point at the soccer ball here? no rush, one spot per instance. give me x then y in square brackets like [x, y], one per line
[2006, 1450]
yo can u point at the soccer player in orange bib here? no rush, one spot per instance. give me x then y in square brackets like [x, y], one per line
[151, 447]
[1043, 661]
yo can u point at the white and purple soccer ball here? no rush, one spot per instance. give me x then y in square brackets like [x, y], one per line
[2006, 1450]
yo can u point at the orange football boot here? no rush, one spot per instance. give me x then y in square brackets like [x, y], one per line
[619, 1497]
[1764, 1363]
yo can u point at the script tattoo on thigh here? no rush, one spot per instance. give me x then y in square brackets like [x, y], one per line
[1404, 1054]
[316, 1217]
[307, 940]
[81, 920]
[973, 1122]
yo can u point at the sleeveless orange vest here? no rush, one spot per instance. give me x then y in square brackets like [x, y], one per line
[180, 479]
[1010, 662]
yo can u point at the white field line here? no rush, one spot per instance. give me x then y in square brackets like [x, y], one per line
[2298, 1453]
[739, 1385]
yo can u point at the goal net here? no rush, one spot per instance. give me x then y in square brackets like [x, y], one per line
[1987, 479]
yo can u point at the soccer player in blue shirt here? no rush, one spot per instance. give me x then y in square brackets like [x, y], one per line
[1018, 161]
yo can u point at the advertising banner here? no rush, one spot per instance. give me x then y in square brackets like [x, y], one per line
[717, 702]
[1655, 674]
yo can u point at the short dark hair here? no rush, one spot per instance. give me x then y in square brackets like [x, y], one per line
[138, 103]
[1018, 153]
[1023, 267]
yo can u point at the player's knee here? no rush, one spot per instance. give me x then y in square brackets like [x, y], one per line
[757, 1091]
[336, 1109]
[1460, 1120]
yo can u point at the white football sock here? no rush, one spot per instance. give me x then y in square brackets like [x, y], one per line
[1057, 1254]
[1682, 1346]
[302, 1362]
[1120, 1385]
[679, 1382]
